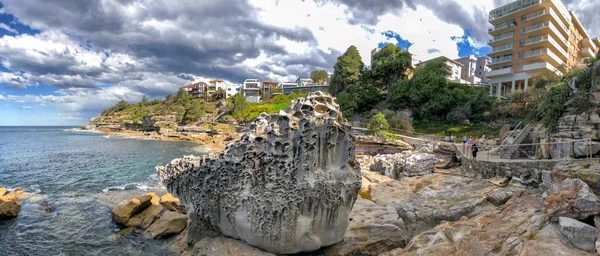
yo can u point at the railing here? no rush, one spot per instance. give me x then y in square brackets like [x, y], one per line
[588, 146]
[502, 37]
[534, 15]
[537, 26]
[502, 48]
[511, 132]
[503, 59]
[537, 52]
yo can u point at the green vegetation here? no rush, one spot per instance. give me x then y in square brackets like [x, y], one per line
[219, 94]
[447, 128]
[187, 109]
[346, 70]
[378, 125]
[320, 76]
[389, 66]
[244, 111]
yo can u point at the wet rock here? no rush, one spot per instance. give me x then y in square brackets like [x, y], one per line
[571, 198]
[419, 164]
[121, 233]
[168, 224]
[373, 230]
[286, 186]
[9, 208]
[146, 217]
[581, 235]
[124, 210]
[500, 197]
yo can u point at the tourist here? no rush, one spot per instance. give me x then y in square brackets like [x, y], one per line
[475, 149]
[464, 139]
[452, 138]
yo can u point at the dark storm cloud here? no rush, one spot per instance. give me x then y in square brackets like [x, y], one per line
[203, 38]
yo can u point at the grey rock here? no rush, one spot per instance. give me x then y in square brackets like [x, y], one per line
[581, 235]
[219, 246]
[168, 224]
[595, 88]
[419, 164]
[500, 197]
[389, 165]
[571, 198]
[287, 186]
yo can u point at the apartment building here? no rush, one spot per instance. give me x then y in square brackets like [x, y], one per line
[481, 69]
[454, 69]
[197, 90]
[232, 89]
[530, 36]
[267, 86]
[473, 69]
[251, 90]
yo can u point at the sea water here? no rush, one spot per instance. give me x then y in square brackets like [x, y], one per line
[81, 175]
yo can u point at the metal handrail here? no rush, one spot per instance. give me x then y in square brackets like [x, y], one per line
[511, 132]
[588, 140]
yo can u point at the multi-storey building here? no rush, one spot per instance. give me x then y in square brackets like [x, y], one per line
[453, 67]
[232, 89]
[481, 69]
[530, 36]
[267, 86]
[197, 90]
[214, 85]
[251, 90]
[467, 72]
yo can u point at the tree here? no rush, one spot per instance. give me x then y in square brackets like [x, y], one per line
[320, 76]
[239, 105]
[144, 101]
[219, 94]
[346, 70]
[389, 65]
[378, 125]
[277, 90]
[194, 112]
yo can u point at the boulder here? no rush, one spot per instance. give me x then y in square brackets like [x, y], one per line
[16, 194]
[146, 217]
[389, 165]
[581, 235]
[571, 198]
[597, 225]
[500, 181]
[9, 208]
[172, 203]
[217, 246]
[500, 197]
[124, 210]
[419, 164]
[373, 230]
[2, 191]
[170, 223]
[286, 186]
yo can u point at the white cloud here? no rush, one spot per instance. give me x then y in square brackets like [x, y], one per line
[8, 28]
[17, 79]
[2, 98]
[26, 108]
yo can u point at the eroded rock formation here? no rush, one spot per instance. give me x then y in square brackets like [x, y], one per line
[287, 186]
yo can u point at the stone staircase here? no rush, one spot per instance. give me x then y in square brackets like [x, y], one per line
[507, 150]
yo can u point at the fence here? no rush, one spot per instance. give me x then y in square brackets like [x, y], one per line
[550, 151]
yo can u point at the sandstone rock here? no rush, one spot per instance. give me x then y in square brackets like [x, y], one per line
[597, 225]
[121, 233]
[500, 197]
[419, 164]
[581, 235]
[373, 230]
[154, 200]
[422, 202]
[571, 198]
[124, 210]
[500, 181]
[2, 191]
[218, 246]
[146, 217]
[9, 208]
[586, 170]
[586, 149]
[16, 194]
[550, 241]
[172, 203]
[595, 88]
[286, 186]
[169, 223]
[365, 191]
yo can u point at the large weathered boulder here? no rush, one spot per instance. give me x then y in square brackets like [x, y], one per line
[168, 224]
[389, 165]
[287, 186]
[419, 164]
[217, 246]
[571, 198]
[8, 208]
[581, 235]
[124, 210]
[172, 203]
[146, 217]
[2, 191]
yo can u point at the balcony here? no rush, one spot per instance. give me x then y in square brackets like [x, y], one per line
[504, 49]
[499, 72]
[546, 55]
[502, 39]
[587, 42]
[517, 8]
[588, 52]
[537, 16]
[547, 41]
[502, 28]
[500, 61]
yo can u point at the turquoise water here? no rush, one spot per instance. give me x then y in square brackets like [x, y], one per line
[80, 174]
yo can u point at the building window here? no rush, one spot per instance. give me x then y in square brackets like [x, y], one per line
[521, 55]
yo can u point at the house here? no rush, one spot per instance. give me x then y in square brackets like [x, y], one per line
[302, 85]
[473, 69]
[232, 89]
[267, 86]
[532, 36]
[453, 67]
[197, 90]
[251, 90]
[305, 81]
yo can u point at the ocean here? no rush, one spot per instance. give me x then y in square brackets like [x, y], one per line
[80, 174]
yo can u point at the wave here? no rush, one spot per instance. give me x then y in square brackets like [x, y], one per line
[133, 186]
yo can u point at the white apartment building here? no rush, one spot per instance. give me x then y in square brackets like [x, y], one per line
[251, 90]
[232, 89]
[454, 69]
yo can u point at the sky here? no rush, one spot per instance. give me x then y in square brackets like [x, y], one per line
[62, 62]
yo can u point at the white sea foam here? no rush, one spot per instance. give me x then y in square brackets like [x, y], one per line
[80, 130]
[131, 186]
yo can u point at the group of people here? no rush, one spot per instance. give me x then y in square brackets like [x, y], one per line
[470, 143]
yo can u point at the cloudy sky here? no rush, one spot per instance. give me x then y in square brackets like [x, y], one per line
[62, 62]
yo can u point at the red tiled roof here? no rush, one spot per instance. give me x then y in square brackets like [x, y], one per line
[193, 85]
[215, 81]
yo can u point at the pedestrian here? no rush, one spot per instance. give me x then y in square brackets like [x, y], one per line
[464, 139]
[475, 148]
[452, 138]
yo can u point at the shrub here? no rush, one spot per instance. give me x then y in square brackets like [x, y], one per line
[377, 125]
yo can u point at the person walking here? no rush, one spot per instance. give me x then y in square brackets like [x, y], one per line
[475, 148]
[465, 139]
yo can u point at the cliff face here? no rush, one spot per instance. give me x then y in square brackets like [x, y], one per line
[287, 186]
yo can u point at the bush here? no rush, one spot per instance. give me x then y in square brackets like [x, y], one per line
[554, 106]
[378, 125]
